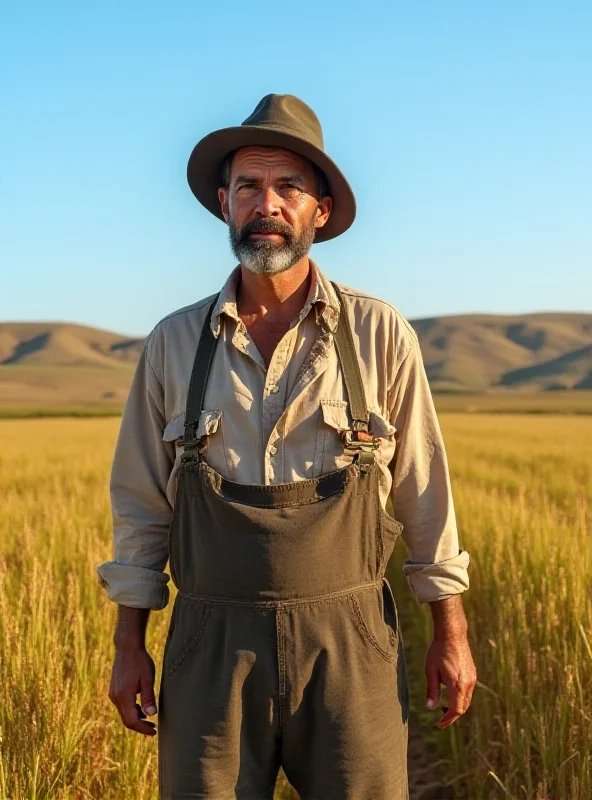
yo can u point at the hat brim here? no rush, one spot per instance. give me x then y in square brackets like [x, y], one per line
[207, 157]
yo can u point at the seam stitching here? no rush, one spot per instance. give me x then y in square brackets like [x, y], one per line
[192, 644]
[383, 653]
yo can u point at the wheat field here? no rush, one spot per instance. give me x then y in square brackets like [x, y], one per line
[523, 492]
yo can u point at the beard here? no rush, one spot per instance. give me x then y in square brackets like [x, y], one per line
[263, 256]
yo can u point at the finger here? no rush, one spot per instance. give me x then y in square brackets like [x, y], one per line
[147, 694]
[455, 704]
[449, 717]
[433, 685]
[460, 694]
[143, 717]
[130, 716]
[471, 688]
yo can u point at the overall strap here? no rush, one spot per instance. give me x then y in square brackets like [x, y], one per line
[198, 382]
[352, 376]
[350, 365]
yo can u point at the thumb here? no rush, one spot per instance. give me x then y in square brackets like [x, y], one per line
[147, 694]
[433, 687]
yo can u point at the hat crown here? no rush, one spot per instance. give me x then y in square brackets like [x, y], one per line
[285, 112]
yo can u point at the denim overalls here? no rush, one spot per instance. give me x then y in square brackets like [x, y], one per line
[284, 647]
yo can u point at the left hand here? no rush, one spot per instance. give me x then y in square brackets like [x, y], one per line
[449, 662]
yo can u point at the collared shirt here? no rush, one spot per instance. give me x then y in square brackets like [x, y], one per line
[281, 423]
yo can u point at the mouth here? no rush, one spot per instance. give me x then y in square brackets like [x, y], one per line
[265, 235]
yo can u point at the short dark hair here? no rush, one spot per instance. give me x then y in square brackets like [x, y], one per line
[323, 187]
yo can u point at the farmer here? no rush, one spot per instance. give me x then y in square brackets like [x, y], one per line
[265, 428]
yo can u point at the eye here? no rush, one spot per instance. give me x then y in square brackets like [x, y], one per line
[290, 190]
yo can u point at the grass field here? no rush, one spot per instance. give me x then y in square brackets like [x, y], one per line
[523, 491]
[66, 399]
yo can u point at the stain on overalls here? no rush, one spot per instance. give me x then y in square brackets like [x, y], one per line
[284, 645]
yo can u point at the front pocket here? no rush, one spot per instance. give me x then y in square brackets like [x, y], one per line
[210, 429]
[373, 627]
[188, 623]
[329, 453]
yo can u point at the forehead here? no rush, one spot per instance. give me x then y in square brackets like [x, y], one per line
[264, 159]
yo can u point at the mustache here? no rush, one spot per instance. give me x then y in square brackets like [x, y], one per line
[266, 225]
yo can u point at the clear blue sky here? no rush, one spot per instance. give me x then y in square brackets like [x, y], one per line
[464, 127]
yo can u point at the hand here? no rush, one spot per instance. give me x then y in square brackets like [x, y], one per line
[449, 662]
[133, 673]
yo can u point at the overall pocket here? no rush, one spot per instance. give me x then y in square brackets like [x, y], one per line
[186, 629]
[367, 608]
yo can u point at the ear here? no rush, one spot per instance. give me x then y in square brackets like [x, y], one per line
[223, 198]
[323, 211]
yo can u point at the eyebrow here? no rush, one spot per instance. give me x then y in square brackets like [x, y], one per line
[283, 179]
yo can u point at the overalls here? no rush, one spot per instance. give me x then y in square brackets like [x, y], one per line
[284, 646]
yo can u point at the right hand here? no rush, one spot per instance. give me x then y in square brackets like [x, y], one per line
[133, 673]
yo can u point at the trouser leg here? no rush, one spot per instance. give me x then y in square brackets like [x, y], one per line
[345, 734]
[217, 735]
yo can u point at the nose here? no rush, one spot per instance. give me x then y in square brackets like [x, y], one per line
[268, 203]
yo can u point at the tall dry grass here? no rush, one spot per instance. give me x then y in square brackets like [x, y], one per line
[523, 493]
[523, 490]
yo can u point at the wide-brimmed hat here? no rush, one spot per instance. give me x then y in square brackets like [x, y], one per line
[279, 120]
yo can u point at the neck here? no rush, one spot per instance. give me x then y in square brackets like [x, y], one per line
[277, 297]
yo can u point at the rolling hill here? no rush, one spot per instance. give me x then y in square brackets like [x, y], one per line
[53, 363]
[481, 352]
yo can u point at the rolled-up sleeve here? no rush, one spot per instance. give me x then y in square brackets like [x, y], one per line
[421, 494]
[141, 511]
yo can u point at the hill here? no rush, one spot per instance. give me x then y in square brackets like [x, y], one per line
[481, 352]
[64, 344]
[53, 363]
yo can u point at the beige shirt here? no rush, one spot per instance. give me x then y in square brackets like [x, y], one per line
[279, 424]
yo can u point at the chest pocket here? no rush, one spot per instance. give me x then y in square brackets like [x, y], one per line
[335, 418]
[210, 425]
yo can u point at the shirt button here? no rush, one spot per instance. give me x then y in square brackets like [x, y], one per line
[274, 389]
[273, 450]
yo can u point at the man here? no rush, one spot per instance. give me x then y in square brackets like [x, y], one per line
[265, 428]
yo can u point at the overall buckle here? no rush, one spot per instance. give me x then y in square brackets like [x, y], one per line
[362, 444]
[192, 445]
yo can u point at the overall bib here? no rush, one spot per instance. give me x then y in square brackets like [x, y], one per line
[284, 646]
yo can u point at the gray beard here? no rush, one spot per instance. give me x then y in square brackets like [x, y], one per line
[262, 263]
[267, 258]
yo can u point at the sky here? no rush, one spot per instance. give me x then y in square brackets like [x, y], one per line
[463, 126]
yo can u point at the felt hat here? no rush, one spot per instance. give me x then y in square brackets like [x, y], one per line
[279, 120]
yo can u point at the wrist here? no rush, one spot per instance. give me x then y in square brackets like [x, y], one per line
[130, 633]
[450, 634]
[449, 621]
[128, 644]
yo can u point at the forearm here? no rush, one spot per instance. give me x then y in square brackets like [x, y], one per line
[421, 493]
[448, 618]
[142, 466]
[130, 632]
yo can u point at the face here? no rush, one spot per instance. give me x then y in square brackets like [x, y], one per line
[272, 208]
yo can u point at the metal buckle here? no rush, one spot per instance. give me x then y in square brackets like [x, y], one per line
[352, 441]
[191, 444]
[362, 448]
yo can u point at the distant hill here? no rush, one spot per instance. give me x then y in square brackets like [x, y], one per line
[479, 352]
[51, 363]
[64, 344]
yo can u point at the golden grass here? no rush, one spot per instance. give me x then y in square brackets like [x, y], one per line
[523, 489]
[523, 493]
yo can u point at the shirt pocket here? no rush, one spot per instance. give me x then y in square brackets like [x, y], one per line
[380, 426]
[333, 420]
[210, 425]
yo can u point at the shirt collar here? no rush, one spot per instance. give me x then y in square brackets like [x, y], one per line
[321, 295]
